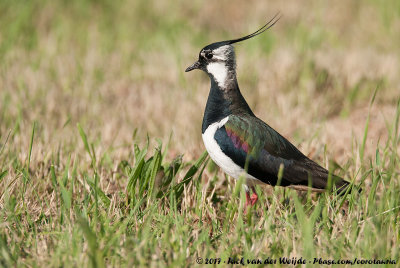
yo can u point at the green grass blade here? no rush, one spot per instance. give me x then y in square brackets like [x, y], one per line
[31, 145]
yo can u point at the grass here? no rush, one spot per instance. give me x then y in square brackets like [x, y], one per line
[101, 158]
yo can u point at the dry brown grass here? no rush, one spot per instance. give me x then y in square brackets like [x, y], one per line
[57, 81]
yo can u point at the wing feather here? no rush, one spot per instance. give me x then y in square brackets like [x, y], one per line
[250, 142]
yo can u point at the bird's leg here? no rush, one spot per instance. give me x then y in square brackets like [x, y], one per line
[253, 197]
[248, 199]
[251, 200]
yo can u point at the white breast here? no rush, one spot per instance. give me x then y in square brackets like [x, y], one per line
[221, 159]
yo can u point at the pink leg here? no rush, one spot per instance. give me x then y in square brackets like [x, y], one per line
[251, 200]
[248, 199]
[254, 196]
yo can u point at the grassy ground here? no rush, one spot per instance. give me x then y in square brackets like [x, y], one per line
[101, 159]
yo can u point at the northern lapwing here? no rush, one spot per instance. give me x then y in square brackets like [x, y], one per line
[241, 143]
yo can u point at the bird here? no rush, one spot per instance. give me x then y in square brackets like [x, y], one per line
[239, 142]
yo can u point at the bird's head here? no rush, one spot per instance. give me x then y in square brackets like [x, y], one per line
[218, 59]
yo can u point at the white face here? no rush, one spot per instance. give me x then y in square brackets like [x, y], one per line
[219, 71]
[216, 65]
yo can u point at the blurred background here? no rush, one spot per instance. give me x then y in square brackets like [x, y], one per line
[117, 68]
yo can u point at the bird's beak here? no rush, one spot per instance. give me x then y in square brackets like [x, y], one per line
[195, 65]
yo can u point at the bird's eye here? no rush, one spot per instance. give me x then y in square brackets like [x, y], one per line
[209, 55]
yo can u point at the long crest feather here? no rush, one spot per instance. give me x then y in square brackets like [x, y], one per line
[268, 25]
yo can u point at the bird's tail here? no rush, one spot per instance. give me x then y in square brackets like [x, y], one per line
[321, 179]
[342, 186]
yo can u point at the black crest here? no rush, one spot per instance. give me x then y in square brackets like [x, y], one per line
[268, 25]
